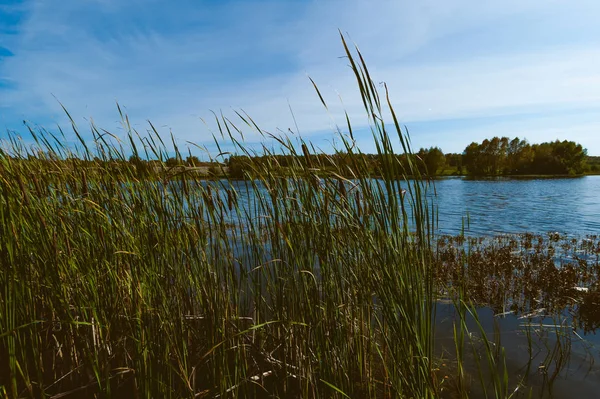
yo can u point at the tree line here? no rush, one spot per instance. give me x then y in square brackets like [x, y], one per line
[492, 157]
[499, 156]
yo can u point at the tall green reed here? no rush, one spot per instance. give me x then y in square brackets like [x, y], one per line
[121, 282]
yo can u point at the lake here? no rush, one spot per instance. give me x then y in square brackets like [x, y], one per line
[499, 206]
[505, 206]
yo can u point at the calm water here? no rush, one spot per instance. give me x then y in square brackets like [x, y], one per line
[499, 206]
[530, 359]
[569, 206]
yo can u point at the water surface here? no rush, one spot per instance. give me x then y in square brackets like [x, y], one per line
[497, 206]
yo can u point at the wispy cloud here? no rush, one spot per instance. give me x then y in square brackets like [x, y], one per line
[486, 65]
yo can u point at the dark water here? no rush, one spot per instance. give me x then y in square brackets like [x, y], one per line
[570, 206]
[550, 359]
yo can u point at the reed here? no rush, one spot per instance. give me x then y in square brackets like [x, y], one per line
[124, 281]
[121, 283]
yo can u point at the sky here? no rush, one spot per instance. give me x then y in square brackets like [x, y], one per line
[458, 71]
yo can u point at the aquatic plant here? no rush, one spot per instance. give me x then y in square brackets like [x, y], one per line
[525, 273]
[121, 278]
[119, 281]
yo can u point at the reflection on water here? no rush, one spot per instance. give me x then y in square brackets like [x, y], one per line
[554, 282]
[547, 357]
[526, 274]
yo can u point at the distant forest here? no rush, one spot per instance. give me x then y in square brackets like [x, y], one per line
[495, 157]
[499, 156]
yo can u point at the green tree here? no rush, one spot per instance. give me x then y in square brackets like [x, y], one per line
[238, 166]
[193, 161]
[433, 159]
[517, 157]
[473, 159]
[570, 156]
[455, 161]
[141, 166]
[172, 162]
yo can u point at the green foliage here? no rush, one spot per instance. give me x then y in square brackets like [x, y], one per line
[117, 286]
[517, 157]
[173, 161]
[142, 167]
[455, 161]
[433, 160]
[239, 166]
[593, 164]
[193, 161]
[214, 171]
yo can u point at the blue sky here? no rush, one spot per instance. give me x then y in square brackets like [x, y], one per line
[458, 71]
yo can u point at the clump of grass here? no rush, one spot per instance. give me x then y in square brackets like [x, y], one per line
[118, 282]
